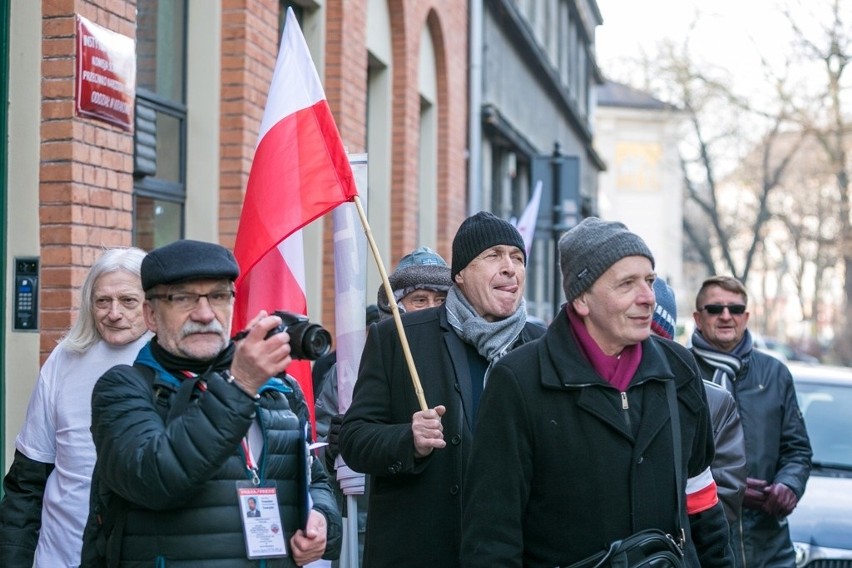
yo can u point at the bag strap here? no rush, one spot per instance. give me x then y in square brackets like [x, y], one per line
[671, 396]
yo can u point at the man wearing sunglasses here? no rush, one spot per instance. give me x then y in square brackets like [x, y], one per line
[778, 451]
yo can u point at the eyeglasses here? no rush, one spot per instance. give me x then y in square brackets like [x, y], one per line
[187, 301]
[716, 309]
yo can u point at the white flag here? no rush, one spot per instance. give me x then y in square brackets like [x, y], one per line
[526, 224]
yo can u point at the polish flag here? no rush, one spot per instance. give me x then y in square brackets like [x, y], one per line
[300, 172]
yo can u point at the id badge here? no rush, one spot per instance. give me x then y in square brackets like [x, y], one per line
[261, 519]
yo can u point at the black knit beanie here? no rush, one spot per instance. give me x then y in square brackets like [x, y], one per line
[590, 248]
[479, 232]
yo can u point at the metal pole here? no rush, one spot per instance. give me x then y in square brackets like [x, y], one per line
[556, 223]
[352, 531]
[474, 161]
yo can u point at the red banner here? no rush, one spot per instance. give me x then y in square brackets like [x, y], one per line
[105, 86]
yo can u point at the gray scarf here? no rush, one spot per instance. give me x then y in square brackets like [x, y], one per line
[492, 339]
[727, 365]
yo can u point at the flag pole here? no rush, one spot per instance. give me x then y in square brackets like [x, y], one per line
[415, 378]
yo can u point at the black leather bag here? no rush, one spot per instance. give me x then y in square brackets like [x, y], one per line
[651, 548]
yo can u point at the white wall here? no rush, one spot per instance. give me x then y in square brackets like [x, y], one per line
[22, 226]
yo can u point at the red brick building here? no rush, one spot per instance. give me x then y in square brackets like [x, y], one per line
[394, 73]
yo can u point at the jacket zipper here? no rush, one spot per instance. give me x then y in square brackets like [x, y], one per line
[626, 408]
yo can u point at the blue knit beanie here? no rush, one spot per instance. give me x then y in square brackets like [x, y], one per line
[665, 313]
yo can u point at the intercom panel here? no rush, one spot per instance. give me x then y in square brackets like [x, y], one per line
[26, 294]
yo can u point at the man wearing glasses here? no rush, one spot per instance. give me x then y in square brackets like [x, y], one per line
[778, 451]
[197, 425]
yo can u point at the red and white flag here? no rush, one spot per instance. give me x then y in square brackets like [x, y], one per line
[300, 172]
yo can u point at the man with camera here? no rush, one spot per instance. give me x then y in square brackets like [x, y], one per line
[197, 426]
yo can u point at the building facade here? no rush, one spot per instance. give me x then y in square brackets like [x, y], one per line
[533, 79]
[70, 185]
[638, 137]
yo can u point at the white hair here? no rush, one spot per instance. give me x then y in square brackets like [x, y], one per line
[84, 333]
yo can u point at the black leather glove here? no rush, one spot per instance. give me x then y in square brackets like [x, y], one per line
[333, 449]
[780, 500]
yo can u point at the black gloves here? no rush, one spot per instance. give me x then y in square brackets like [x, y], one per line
[333, 449]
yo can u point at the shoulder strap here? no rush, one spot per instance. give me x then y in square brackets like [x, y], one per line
[671, 396]
[159, 392]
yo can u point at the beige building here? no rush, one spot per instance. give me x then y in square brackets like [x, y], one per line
[637, 136]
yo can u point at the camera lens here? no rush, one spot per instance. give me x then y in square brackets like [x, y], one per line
[316, 343]
[307, 340]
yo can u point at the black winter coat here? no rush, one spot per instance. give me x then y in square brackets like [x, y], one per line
[174, 484]
[415, 505]
[563, 463]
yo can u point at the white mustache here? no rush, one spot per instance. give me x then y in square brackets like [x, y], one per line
[192, 327]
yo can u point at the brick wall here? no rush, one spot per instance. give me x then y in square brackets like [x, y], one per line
[85, 180]
[86, 184]
[345, 84]
[249, 49]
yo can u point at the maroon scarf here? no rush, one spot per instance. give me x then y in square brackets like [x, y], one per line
[617, 370]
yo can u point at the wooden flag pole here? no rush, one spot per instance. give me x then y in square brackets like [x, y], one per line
[415, 378]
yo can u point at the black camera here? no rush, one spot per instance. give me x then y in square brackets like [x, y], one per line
[307, 340]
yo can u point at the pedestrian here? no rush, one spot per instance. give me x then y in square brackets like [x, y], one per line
[420, 281]
[197, 425]
[778, 450]
[729, 462]
[574, 439]
[416, 459]
[46, 491]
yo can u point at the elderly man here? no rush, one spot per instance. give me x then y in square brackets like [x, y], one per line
[778, 450]
[420, 281]
[574, 441]
[197, 426]
[417, 458]
[46, 492]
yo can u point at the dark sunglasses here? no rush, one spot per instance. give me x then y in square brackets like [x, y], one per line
[716, 309]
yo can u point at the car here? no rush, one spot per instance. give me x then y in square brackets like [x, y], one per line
[790, 352]
[821, 524]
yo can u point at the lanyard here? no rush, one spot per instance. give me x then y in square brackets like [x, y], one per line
[250, 461]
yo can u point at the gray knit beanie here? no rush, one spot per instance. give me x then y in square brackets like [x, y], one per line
[590, 248]
[480, 232]
[421, 269]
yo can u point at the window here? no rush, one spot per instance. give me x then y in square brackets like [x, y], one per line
[159, 164]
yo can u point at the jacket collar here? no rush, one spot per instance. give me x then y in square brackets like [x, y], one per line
[572, 369]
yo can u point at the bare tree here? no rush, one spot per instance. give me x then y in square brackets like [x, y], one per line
[778, 160]
[825, 39]
[733, 157]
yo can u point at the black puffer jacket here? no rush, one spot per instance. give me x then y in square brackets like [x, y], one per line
[172, 485]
